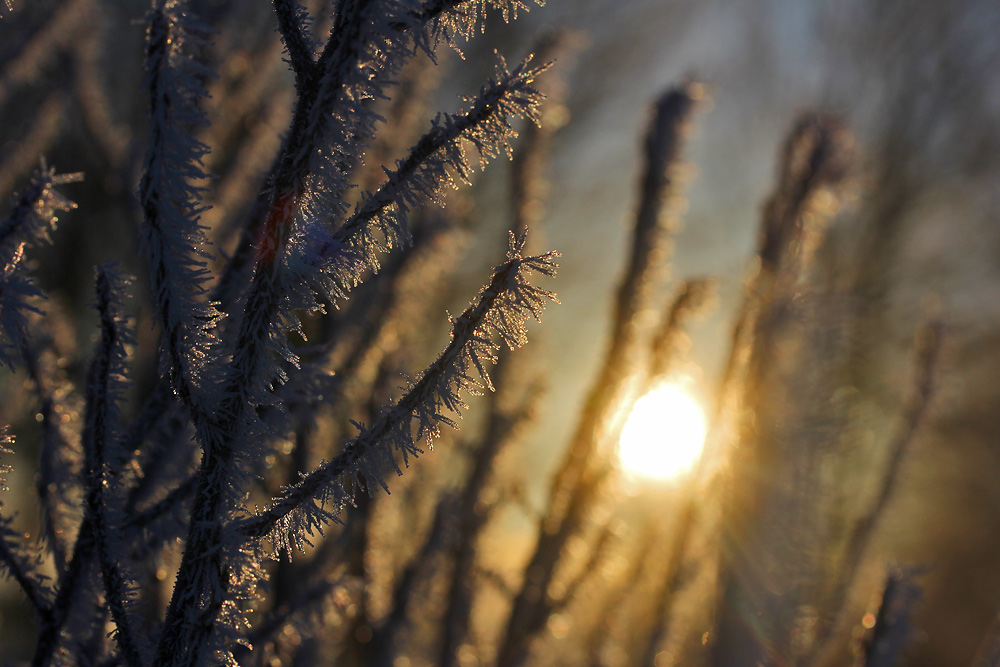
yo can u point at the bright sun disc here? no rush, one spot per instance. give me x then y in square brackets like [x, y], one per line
[664, 434]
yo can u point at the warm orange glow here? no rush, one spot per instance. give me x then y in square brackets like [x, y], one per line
[664, 434]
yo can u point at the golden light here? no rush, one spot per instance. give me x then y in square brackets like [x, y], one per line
[664, 434]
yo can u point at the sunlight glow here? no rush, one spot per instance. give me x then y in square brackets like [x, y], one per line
[664, 434]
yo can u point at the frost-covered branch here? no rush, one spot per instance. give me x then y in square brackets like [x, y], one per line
[294, 264]
[293, 22]
[30, 222]
[101, 438]
[499, 310]
[171, 236]
[439, 155]
[172, 239]
[307, 251]
[456, 20]
[333, 121]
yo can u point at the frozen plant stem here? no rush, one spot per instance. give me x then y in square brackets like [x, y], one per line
[439, 386]
[101, 435]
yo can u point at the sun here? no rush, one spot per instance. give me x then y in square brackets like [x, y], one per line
[664, 434]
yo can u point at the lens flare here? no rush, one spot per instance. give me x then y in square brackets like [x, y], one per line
[664, 434]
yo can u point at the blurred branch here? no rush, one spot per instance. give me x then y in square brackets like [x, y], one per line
[387, 637]
[44, 46]
[578, 479]
[928, 346]
[603, 636]
[668, 581]
[45, 129]
[811, 180]
[690, 297]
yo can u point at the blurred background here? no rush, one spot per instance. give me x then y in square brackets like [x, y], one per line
[909, 238]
